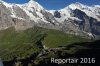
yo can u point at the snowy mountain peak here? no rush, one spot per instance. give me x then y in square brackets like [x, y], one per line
[92, 11]
[32, 4]
[31, 1]
[96, 6]
[77, 5]
[6, 4]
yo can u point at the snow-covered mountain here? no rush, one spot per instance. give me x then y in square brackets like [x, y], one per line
[76, 18]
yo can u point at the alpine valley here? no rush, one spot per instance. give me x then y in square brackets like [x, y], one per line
[31, 34]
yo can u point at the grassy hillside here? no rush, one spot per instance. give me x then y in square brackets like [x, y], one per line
[57, 38]
[19, 44]
[22, 44]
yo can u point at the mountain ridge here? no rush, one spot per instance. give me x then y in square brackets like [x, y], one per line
[76, 18]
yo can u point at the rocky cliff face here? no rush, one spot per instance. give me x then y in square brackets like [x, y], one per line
[76, 18]
[5, 20]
